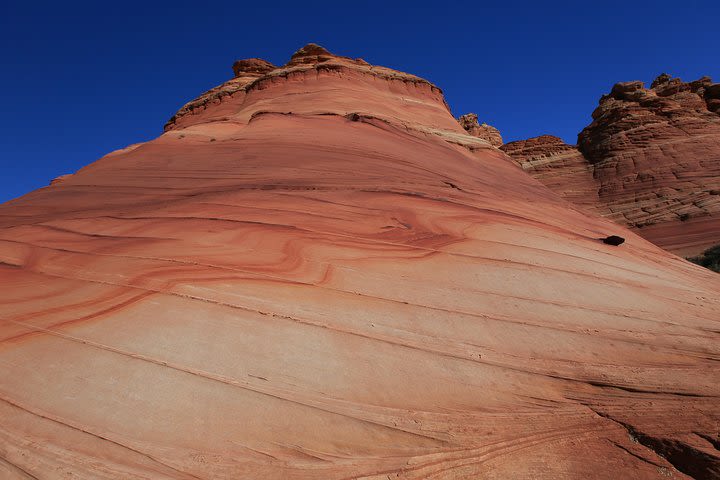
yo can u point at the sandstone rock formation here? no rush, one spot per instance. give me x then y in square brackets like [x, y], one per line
[315, 272]
[654, 159]
[487, 132]
[560, 167]
[60, 178]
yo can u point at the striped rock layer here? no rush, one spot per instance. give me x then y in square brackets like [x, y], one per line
[650, 160]
[315, 272]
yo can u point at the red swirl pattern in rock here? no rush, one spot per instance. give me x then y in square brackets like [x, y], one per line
[315, 272]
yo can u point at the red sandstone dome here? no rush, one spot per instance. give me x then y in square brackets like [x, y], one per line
[316, 272]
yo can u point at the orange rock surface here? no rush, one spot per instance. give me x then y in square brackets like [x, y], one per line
[560, 167]
[470, 123]
[315, 272]
[649, 160]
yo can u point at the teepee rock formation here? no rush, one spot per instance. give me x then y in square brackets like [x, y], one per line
[316, 272]
[649, 160]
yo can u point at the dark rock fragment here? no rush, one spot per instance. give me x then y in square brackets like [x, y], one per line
[613, 240]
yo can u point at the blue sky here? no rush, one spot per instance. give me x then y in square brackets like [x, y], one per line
[81, 79]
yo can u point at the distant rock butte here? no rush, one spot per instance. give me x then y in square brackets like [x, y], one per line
[484, 131]
[650, 160]
[252, 68]
[316, 272]
[560, 167]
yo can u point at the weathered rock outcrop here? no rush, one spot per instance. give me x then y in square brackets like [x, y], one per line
[484, 131]
[315, 272]
[560, 167]
[60, 179]
[252, 68]
[654, 156]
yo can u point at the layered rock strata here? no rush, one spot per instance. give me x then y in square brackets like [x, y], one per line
[560, 167]
[315, 272]
[653, 156]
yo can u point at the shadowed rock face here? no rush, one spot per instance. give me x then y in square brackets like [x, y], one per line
[653, 156]
[315, 272]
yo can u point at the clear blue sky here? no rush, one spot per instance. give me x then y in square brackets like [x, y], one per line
[80, 79]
